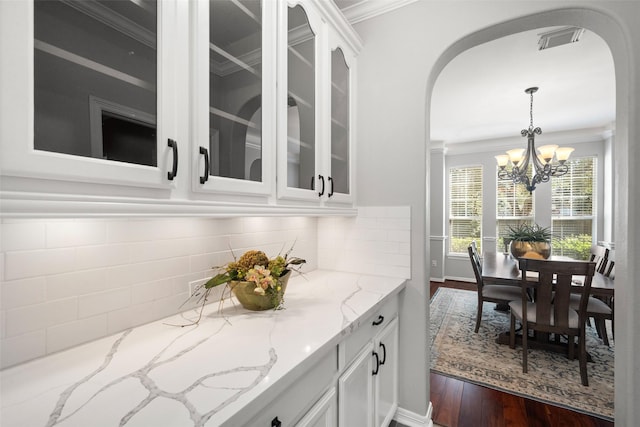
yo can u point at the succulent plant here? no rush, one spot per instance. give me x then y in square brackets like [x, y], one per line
[529, 233]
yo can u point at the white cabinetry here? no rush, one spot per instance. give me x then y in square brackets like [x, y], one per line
[71, 69]
[170, 107]
[368, 388]
[323, 413]
[316, 121]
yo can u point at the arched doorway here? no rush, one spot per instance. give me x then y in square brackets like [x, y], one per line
[612, 33]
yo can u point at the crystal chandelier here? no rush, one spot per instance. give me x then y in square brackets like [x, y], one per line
[543, 166]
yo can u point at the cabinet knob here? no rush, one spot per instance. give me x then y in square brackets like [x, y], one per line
[174, 168]
[204, 178]
[276, 422]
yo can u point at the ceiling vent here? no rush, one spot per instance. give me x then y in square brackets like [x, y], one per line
[559, 37]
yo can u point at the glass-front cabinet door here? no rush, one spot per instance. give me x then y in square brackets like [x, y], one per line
[300, 129]
[93, 77]
[342, 130]
[234, 95]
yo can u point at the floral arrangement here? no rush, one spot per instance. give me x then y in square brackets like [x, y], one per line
[253, 266]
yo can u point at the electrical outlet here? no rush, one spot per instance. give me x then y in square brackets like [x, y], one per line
[194, 284]
[434, 263]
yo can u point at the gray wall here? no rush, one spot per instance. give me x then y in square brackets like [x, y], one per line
[404, 51]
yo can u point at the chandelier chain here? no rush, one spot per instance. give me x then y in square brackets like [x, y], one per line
[531, 112]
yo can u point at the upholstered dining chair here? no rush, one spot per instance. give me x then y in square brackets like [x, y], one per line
[551, 312]
[490, 293]
[600, 309]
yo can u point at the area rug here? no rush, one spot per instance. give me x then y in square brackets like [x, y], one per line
[456, 351]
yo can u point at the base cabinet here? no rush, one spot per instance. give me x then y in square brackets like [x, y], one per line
[368, 388]
[323, 413]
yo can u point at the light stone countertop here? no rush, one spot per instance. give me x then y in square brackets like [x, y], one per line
[204, 375]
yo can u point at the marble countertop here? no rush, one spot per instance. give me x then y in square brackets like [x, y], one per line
[202, 375]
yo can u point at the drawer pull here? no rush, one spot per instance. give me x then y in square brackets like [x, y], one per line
[379, 320]
[276, 422]
[377, 368]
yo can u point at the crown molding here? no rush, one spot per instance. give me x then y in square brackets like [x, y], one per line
[338, 20]
[367, 9]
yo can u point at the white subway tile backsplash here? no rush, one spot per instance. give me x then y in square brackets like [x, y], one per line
[22, 236]
[62, 234]
[377, 241]
[77, 283]
[25, 264]
[70, 334]
[64, 282]
[18, 293]
[103, 302]
[23, 347]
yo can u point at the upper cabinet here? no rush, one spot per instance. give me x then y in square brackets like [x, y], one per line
[315, 125]
[86, 92]
[234, 74]
[176, 107]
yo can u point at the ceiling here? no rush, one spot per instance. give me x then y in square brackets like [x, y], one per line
[480, 94]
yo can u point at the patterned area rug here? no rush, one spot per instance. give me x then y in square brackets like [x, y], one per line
[457, 351]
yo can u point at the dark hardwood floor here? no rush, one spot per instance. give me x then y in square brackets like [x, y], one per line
[457, 403]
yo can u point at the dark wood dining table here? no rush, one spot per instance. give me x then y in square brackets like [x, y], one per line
[502, 269]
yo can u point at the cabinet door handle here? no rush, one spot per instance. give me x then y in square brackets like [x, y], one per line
[204, 178]
[379, 320]
[330, 186]
[377, 368]
[276, 422]
[321, 192]
[384, 353]
[174, 168]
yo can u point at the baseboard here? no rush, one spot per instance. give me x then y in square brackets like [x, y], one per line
[461, 279]
[437, 279]
[411, 419]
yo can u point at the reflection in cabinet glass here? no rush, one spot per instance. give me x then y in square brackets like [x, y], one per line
[95, 69]
[339, 124]
[235, 74]
[301, 101]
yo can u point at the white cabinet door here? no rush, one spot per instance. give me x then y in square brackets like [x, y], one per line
[302, 51]
[341, 152]
[386, 379]
[88, 90]
[234, 80]
[323, 413]
[355, 391]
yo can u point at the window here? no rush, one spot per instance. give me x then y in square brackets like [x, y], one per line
[573, 199]
[465, 208]
[515, 205]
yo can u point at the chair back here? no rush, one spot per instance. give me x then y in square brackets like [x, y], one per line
[476, 262]
[611, 262]
[553, 289]
[599, 255]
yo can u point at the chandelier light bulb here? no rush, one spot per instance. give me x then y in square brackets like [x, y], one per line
[546, 152]
[563, 153]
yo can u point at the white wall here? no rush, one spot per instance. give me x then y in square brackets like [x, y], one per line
[403, 53]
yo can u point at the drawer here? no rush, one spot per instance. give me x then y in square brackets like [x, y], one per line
[291, 405]
[366, 331]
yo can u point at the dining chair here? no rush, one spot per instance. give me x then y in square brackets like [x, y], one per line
[600, 309]
[490, 293]
[599, 255]
[551, 311]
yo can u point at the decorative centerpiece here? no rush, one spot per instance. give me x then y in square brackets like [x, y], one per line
[530, 241]
[256, 281]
